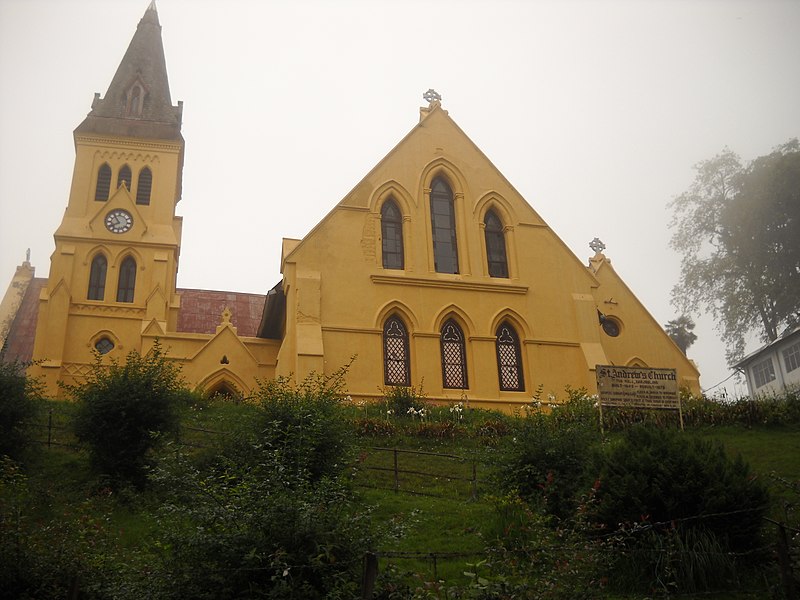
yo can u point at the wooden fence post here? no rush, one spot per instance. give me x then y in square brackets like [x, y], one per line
[785, 564]
[370, 575]
[396, 473]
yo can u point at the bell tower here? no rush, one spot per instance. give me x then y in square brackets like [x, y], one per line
[114, 269]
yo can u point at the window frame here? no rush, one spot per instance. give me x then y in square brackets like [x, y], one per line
[505, 367]
[392, 232]
[791, 357]
[102, 188]
[125, 174]
[144, 187]
[394, 328]
[763, 372]
[444, 236]
[98, 274]
[453, 350]
[126, 283]
[495, 239]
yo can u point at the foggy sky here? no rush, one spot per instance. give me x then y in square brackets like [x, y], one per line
[595, 111]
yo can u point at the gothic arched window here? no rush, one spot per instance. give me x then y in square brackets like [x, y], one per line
[127, 280]
[443, 226]
[509, 359]
[103, 182]
[97, 278]
[495, 246]
[124, 175]
[396, 363]
[144, 185]
[392, 236]
[454, 356]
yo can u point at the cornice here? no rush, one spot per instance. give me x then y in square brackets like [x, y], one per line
[126, 143]
[462, 286]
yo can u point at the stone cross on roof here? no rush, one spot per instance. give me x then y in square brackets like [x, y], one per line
[432, 96]
[597, 245]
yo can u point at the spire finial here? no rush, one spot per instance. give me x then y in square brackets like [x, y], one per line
[597, 245]
[432, 96]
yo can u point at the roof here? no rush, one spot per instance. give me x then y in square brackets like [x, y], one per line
[21, 334]
[143, 62]
[201, 311]
[784, 337]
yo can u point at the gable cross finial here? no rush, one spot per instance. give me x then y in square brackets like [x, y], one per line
[597, 245]
[432, 96]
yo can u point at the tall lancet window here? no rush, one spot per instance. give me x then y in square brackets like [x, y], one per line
[509, 359]
[392, 235]
[396, 363]
[127, 280]
[97, 278]
[103, 183]
[124, 176]
[143, 186]
[495, 246]
[443, 225]
[454, 356]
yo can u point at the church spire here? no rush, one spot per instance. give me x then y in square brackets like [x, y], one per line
[138, 102]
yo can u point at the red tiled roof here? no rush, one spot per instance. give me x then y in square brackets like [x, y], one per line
[201, 311]
[19, 342]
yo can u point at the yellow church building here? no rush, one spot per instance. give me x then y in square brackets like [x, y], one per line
[432, 271]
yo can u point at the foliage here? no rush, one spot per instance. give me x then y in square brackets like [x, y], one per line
[18, 395]
[737, 228]
[680, 330]
[123, 411]
[763, 410]
[371, 427]
[401, 400]
[659, 478]
[547, 460]
[304, 424]
[256, 531]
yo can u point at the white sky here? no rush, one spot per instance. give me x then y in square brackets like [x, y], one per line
[596, 112]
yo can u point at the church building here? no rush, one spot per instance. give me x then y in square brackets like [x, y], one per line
[432, 271]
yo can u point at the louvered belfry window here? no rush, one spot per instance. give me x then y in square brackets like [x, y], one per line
[144, 186]
[495, 246]
[124, 175]
[127, 280]
[97, 278]
[454, 356]
[391, 236]
[443, 226]
[396, 370]
[103, 183]
[509, 359]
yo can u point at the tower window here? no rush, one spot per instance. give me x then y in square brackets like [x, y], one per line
[396, 369]
[443, 225]
[392, 235]
[509, 359]
[97, 278]
[127, 280]
[144, 185]
[104, 345]
[454, 356]
[103, 183]
[495, 246]
[124, 175]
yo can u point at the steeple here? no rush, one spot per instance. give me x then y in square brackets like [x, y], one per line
[138, 103]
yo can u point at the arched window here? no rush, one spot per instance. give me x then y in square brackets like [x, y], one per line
[127, 280]
[392, 235]
[97, 278]
[495, 246]
[396, 369]
[443, 225]
[509, 359]
[454, 356]
[124, 175]
[144, 186]
[103, 183]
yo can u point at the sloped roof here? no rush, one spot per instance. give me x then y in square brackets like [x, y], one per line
[201, 311]
[143, 62]
[21, 334]
[784, 337]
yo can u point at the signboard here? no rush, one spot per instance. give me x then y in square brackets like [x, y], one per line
[637, 387]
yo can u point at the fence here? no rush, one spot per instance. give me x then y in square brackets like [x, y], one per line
[449, 468]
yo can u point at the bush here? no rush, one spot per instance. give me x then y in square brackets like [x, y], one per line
[400, 399]
[18, 395]
[657, 480]
[123, 411]
[548, 460]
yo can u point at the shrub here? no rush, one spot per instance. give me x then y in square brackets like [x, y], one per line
[18, 395]
[124, 410]
[400, 399]
[369, 427]
[657, 480]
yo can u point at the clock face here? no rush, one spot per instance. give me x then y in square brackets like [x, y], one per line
[119, 221]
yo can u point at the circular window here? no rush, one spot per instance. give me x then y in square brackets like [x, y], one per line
[104, 345]
[611, 327]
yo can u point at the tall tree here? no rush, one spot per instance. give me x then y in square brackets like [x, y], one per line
[738, 230]
[680, 330]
